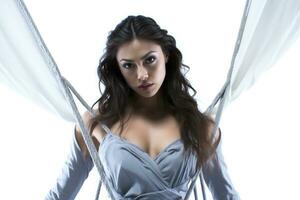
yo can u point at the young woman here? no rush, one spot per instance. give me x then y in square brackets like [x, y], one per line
[153, 137]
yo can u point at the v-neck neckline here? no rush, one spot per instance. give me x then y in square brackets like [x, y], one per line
[108, 131]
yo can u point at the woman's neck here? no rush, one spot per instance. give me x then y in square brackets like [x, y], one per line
[152, 108]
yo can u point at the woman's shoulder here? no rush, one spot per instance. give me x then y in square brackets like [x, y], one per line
[87, 118]
[97, 133]
[211, 126]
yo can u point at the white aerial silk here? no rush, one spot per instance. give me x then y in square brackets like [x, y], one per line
[272, 27]
[26, 66]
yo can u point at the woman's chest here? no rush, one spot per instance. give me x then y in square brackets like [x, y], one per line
[152, 137]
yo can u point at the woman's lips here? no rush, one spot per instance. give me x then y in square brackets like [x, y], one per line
[146, 86]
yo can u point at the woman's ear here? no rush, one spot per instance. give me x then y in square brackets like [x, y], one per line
[166, 58]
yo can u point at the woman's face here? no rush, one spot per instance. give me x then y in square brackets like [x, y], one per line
[142, 62]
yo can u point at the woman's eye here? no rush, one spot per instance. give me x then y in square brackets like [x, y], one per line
[151, 59]
[127, 65]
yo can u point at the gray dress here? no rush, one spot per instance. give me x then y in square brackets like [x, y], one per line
[133, 174]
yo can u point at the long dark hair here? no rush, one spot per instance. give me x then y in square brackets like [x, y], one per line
[117, 95]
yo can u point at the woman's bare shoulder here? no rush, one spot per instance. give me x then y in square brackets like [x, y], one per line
[97, 133]
[218, 132]
[212, 125]
[87, 120]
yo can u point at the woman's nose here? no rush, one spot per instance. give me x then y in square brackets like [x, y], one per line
[142, 73]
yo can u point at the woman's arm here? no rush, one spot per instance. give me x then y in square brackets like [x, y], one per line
[75, 169]
[72, 176]
[217, 178]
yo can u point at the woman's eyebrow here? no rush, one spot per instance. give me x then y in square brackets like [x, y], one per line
[144, 56]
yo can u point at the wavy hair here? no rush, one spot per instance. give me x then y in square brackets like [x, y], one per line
[117, 95]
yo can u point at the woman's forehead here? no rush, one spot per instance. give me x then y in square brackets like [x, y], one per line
[136, 49]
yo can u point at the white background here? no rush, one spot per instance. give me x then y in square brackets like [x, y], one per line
[260, 133]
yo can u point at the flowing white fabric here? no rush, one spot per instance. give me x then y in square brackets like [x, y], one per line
[272, 27]
[26, 66]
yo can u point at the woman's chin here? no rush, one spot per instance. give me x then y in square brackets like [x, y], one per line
[146, 95]
[148, 92]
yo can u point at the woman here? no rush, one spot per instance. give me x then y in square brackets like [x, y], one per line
[154, 138]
